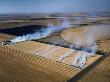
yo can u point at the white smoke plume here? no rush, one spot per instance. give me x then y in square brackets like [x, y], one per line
[89, 41]
[86, 51]
[93, 34]
[81, 58]
[44, 32]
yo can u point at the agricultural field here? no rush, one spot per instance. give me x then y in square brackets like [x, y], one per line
[80, 24]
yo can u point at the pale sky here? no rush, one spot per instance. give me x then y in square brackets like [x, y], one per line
[50, 6]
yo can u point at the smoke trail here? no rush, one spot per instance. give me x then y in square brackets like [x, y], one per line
[42, 33]
[87, 48]
[81, 57]
[67, 53]
[92, 34]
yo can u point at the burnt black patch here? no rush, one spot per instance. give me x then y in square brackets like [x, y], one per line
[19, 31]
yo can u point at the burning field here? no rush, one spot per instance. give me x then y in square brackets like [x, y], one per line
[67, 47]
